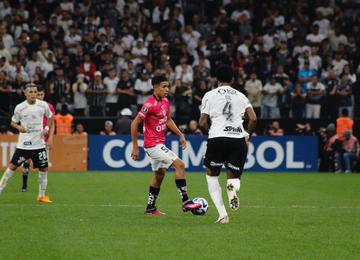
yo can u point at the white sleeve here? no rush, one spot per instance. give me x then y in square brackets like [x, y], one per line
[248, 104]
[205, 106]
[16, 117]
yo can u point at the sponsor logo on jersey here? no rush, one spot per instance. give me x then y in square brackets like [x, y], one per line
[215, 164]
[233, 129]
[28, 143]
[233, 167]
[227, 91]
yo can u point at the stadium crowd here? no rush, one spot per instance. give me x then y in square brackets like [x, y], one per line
[293, 59]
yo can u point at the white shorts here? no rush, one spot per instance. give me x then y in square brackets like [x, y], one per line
[160, 156]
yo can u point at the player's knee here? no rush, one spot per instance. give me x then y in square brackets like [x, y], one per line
[179, 165]
[43, 169]
[160, 174]
[12, 167]
[233, 171]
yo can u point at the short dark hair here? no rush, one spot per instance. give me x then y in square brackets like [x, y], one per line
[158, 79]
[224, 74]
[345, 112]
[40, 88]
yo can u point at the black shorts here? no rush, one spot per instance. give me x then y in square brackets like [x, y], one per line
[230, 152]
[39, 157]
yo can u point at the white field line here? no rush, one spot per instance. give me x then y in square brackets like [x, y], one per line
[175, 206]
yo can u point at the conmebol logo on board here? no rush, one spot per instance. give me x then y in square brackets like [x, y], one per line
[289, 153]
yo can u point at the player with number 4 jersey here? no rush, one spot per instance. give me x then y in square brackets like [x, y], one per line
[28, 120]
[225, 108]
[155, 117]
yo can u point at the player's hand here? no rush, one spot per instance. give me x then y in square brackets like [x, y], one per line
[22, 129]
[182, 142]
[135, 153]
[45, 131]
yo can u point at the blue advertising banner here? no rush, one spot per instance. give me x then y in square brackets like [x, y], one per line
[271, 154]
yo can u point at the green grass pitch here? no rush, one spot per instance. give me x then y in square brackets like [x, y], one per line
[100, 216]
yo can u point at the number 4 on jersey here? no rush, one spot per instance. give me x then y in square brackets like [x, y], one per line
[227, 111]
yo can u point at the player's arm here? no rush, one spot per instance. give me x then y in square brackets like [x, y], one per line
[134, 137]
[204, 122]
[251, 115]
[17, 126]
[50, 124]
[170, 124]
[15, 121]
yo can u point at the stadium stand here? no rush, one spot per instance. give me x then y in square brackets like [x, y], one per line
[298, 61]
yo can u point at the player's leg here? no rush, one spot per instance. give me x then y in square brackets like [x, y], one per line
[180, 182]
[235, 165]
[40, 161]
[213, 162]
[17, 159]
[25, 175]
[9, 172]
[154, 191]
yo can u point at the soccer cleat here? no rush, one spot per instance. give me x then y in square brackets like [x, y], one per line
[23, 190]
[44, 199]
[223, 220]
[189, 205]
[154, 211]
[234, 201]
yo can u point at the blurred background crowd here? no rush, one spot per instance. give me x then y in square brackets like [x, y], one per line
[95, 58]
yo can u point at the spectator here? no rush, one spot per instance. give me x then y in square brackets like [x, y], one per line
[344, 94]
[80, 130]
[315, 94]
[350, 151]
[79, 89]
[254, 88]
[64, 121]
[112, 97]
[331, 103]
[108, 129]
[344, 122]
[275, 129]
[97, 95]
[59, 88]
[297, 97]
[125, 90]
[123, 124]
[143, 88]
[88, 68]
[193, 128]
[270, 99]
[5, 94]
[199, 91]
[304, 129]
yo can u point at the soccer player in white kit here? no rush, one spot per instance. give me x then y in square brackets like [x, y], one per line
[225, 107]
[28, 120]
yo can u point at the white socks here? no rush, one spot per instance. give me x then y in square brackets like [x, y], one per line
[235, 183]
[42, 183]
[5, 178]
[216, 195]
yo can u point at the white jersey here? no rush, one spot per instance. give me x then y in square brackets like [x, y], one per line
[226, 108]
[30, 116]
